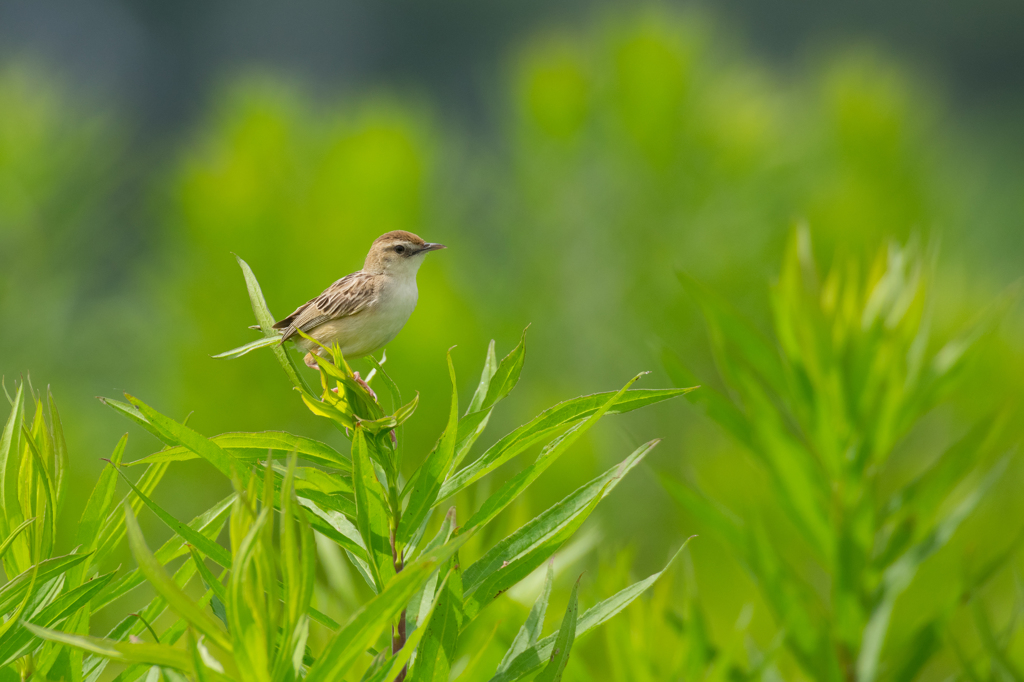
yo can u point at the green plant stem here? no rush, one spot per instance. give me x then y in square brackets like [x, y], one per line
[398, 637]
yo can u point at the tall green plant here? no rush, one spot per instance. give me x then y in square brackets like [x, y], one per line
[822, 408]
[254, 617]
[45, 588]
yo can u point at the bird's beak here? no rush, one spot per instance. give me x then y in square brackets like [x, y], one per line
[432, 247]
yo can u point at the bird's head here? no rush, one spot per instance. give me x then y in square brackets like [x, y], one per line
[398, 253]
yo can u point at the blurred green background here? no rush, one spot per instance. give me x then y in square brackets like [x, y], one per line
[574, 159]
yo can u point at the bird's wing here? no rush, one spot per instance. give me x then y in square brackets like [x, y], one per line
[348, 296]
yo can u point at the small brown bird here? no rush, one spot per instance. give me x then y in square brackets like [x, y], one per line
[363, 311]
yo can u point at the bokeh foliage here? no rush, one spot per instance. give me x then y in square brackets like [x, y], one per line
[622, 152]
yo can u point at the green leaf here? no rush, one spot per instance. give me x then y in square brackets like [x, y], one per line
[9, 442]
[209, 579]
[431, 474]
[490, 367]
[251, 346]
[132, 413]
[9, 540]
[520, 553]
[530, 632]
[49, 513]
[151, 654]
[513, 488]
[254, 446]
[60, 451]
[441, 637]
[43, 572]
[248, 621]
[563, 642]
[166, 587]
[534, 657]
[203, 543]
[900, 574]
[173, 433]
[29, 592]
[266, 322]
[17, 644]
[416, 613]
[101, 500]
[506, 376]
[988, 640]
[546, 424]
[298, 571]
[209, 523]
[368, 622]
[394, 665]
[371, 513]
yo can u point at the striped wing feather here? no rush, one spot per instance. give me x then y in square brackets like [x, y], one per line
[348, 296]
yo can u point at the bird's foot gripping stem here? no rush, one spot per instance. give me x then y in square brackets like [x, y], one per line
[361, 382]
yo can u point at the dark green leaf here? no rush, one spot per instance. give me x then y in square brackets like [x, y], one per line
[563, 641]
[371, 512]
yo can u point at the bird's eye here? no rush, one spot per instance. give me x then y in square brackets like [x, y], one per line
[400, 249]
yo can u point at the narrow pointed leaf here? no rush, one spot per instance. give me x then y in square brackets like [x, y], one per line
[546, 425]
[433, 471]
[9, 540]
[251, 346]
[165, 586]
[394, 665]
[440, 641]
[530, 632]
[173, 433]
[266, 321]
[366, 624]
[506, 375]
[15, 589]
[152, 654]
[900, 574]
[521, 481]
[524, 550]
[204, 544]
[17, 644]
[9, 442]
[254, 446]
[563, 641]
[534, 657]
[371, 513]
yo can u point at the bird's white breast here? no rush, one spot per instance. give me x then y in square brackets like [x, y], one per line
[372, 329]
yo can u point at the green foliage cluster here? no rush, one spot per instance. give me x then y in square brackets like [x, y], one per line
[253, 621]
[822, 408]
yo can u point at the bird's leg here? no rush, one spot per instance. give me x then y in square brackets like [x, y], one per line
[359, 380]
[310, 361]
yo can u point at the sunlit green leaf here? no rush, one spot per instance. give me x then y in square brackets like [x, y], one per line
[15, 589]
[513, 488]
[545, 425]
[515, 557]
[266, 321]
[254, 446]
